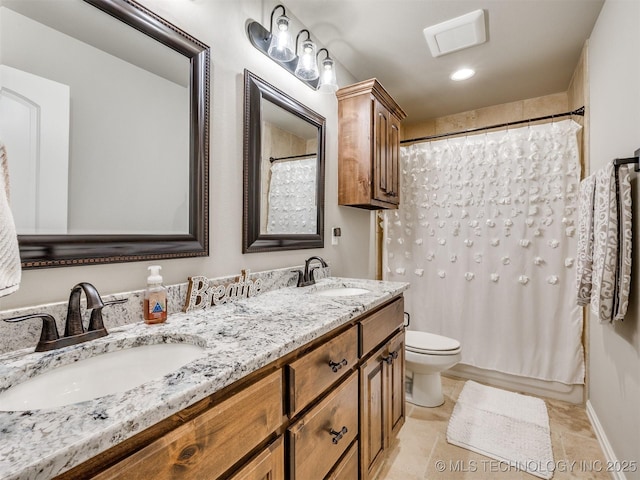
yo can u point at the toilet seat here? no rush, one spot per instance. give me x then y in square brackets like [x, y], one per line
[430, 343]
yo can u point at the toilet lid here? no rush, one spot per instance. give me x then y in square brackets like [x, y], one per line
[430, 343]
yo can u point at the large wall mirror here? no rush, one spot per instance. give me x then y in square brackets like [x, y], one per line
[284, 144]
[104, 111]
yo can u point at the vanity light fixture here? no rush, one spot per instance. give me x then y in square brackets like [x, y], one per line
[277, 44]
[281, 44]
[462, 74]
[307, 68]
[327, 82]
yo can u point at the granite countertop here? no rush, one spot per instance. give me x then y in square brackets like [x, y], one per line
[239, 338]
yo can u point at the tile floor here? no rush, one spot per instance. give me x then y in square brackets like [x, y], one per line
[422, 448]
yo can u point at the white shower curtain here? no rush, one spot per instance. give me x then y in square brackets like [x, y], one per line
[292, 202]
[486, 235]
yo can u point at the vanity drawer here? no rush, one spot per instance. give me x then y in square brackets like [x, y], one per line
[378, 326]
[268, 465]
[347, 469]
[314, 450]
[312, 374]
[211, 443]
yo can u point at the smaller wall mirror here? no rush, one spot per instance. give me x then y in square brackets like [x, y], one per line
[283, 171]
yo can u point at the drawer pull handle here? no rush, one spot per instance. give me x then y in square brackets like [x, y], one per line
[392, 356]
[337, 436]
[335, 366]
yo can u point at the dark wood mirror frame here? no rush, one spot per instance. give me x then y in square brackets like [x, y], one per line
[37, 251]
[255, 90]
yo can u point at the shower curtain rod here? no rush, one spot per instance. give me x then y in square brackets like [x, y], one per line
[292, 157]
[578, 111]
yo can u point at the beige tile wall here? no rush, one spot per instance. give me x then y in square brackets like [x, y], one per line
[576, 96]
[483, 117]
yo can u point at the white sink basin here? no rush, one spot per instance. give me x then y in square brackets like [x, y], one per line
[342, 292]
[98, 376]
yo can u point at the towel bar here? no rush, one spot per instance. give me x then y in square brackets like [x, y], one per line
[623, 161]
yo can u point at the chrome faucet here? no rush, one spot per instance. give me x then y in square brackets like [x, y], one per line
[74, 331]
[307, 277]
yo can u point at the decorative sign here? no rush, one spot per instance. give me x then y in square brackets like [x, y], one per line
[202, 294]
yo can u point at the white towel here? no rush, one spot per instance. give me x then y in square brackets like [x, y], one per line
[10, 271]
[611, 275]
[584, 261]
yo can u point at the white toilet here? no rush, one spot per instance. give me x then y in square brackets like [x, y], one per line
[427, 355]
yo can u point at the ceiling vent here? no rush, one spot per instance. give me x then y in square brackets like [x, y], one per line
[456, 34]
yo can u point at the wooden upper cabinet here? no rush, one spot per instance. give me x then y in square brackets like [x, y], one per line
[368, 146]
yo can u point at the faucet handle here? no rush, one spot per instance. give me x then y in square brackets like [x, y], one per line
[49, 332]
[300, 277]
[95, 321]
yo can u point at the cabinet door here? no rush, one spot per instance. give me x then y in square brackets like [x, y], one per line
[382, 408]
[268, 465]
[373, 417]
[396, 383]
[382, 171]
[386, 155]
[393, 158]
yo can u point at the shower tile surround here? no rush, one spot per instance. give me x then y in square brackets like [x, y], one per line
[240, 338]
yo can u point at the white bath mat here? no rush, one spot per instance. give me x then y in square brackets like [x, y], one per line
[505, 426]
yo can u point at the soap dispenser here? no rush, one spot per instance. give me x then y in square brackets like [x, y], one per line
[155, 297]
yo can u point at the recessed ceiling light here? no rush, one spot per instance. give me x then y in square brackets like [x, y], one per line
[462, 74]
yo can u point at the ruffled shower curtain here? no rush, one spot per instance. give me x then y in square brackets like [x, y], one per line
[291, 208]
[486, 235]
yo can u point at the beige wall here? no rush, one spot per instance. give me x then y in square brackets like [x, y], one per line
[483, 117]
[614, 350]
[222, 25]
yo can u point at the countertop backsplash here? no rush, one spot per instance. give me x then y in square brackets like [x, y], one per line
[25, 335]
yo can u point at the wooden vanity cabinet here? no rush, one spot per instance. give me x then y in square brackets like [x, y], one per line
[324, 411]
[212, 442]
[368, 146]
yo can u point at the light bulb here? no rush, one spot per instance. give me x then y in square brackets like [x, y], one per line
[462, 74]
[328, 83]
[307, 68]
[281, 46]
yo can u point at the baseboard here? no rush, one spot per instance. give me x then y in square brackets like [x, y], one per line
[532, 386]
[609, 454]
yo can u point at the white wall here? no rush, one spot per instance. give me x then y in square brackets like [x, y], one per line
[614, 365]
[102, 85]
[222, 25]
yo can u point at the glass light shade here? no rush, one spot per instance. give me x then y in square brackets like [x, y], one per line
[307, 68]
[281, 46]
[328, 82]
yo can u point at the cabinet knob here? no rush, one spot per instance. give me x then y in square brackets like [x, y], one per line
[392, 356]
[335, 366]
[337, 435]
